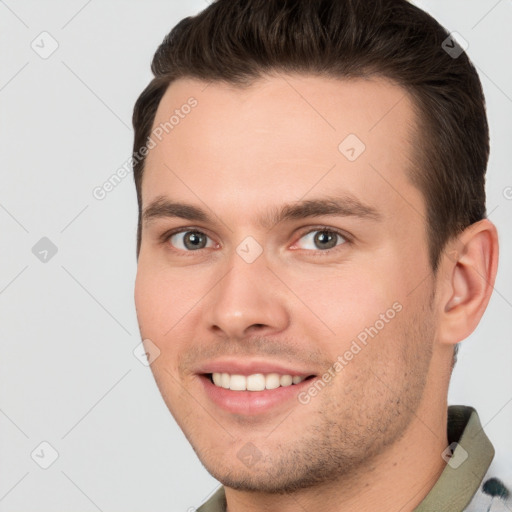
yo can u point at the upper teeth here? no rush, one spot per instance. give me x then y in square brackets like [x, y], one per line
[255, 382]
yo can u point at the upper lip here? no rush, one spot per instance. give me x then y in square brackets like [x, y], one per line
[250, 367]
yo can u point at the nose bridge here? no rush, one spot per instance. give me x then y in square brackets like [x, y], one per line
[244, 296]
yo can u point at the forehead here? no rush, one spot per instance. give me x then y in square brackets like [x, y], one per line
[281, 137]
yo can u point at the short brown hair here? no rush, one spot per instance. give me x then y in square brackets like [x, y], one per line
[237, 41]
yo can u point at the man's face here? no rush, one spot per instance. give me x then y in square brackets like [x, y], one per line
[233, 293]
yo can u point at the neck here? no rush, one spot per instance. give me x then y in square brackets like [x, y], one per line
[397, 479]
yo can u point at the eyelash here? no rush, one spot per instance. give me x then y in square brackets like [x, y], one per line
[347, 239]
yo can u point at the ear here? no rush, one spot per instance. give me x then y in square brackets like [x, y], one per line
[468, 269]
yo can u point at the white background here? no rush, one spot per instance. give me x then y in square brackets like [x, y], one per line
[68, 326]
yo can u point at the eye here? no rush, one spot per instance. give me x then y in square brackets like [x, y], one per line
[191, 240]
[322, 239]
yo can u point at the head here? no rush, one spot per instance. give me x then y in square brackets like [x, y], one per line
[347, 117]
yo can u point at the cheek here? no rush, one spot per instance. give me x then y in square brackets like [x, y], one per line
[148, 295]
[346, 300]
[162, 298]
[166, 302]
[159, 308]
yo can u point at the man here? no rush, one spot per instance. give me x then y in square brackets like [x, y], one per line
[312, 245]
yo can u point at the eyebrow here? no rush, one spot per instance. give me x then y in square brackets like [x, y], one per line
[343, 206]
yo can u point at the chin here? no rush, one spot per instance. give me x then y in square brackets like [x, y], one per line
[268, 477]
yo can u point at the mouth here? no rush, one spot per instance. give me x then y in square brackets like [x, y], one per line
[251, 393]
[255, 381]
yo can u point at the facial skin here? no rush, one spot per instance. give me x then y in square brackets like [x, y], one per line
[241, 155]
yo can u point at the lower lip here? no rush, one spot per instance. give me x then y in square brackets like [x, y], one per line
[251, 403]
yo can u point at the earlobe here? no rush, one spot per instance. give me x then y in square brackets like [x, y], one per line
[470, 265]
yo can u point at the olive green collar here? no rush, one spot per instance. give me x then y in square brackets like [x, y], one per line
[471, 458]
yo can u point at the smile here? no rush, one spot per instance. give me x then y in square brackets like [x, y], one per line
[254, 382]
[251, 387]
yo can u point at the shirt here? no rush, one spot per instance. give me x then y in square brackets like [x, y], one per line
[467, 483]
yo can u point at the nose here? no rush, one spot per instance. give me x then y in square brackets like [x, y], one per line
[246, 301]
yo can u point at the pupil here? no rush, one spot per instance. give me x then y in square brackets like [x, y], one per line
[193, 240]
